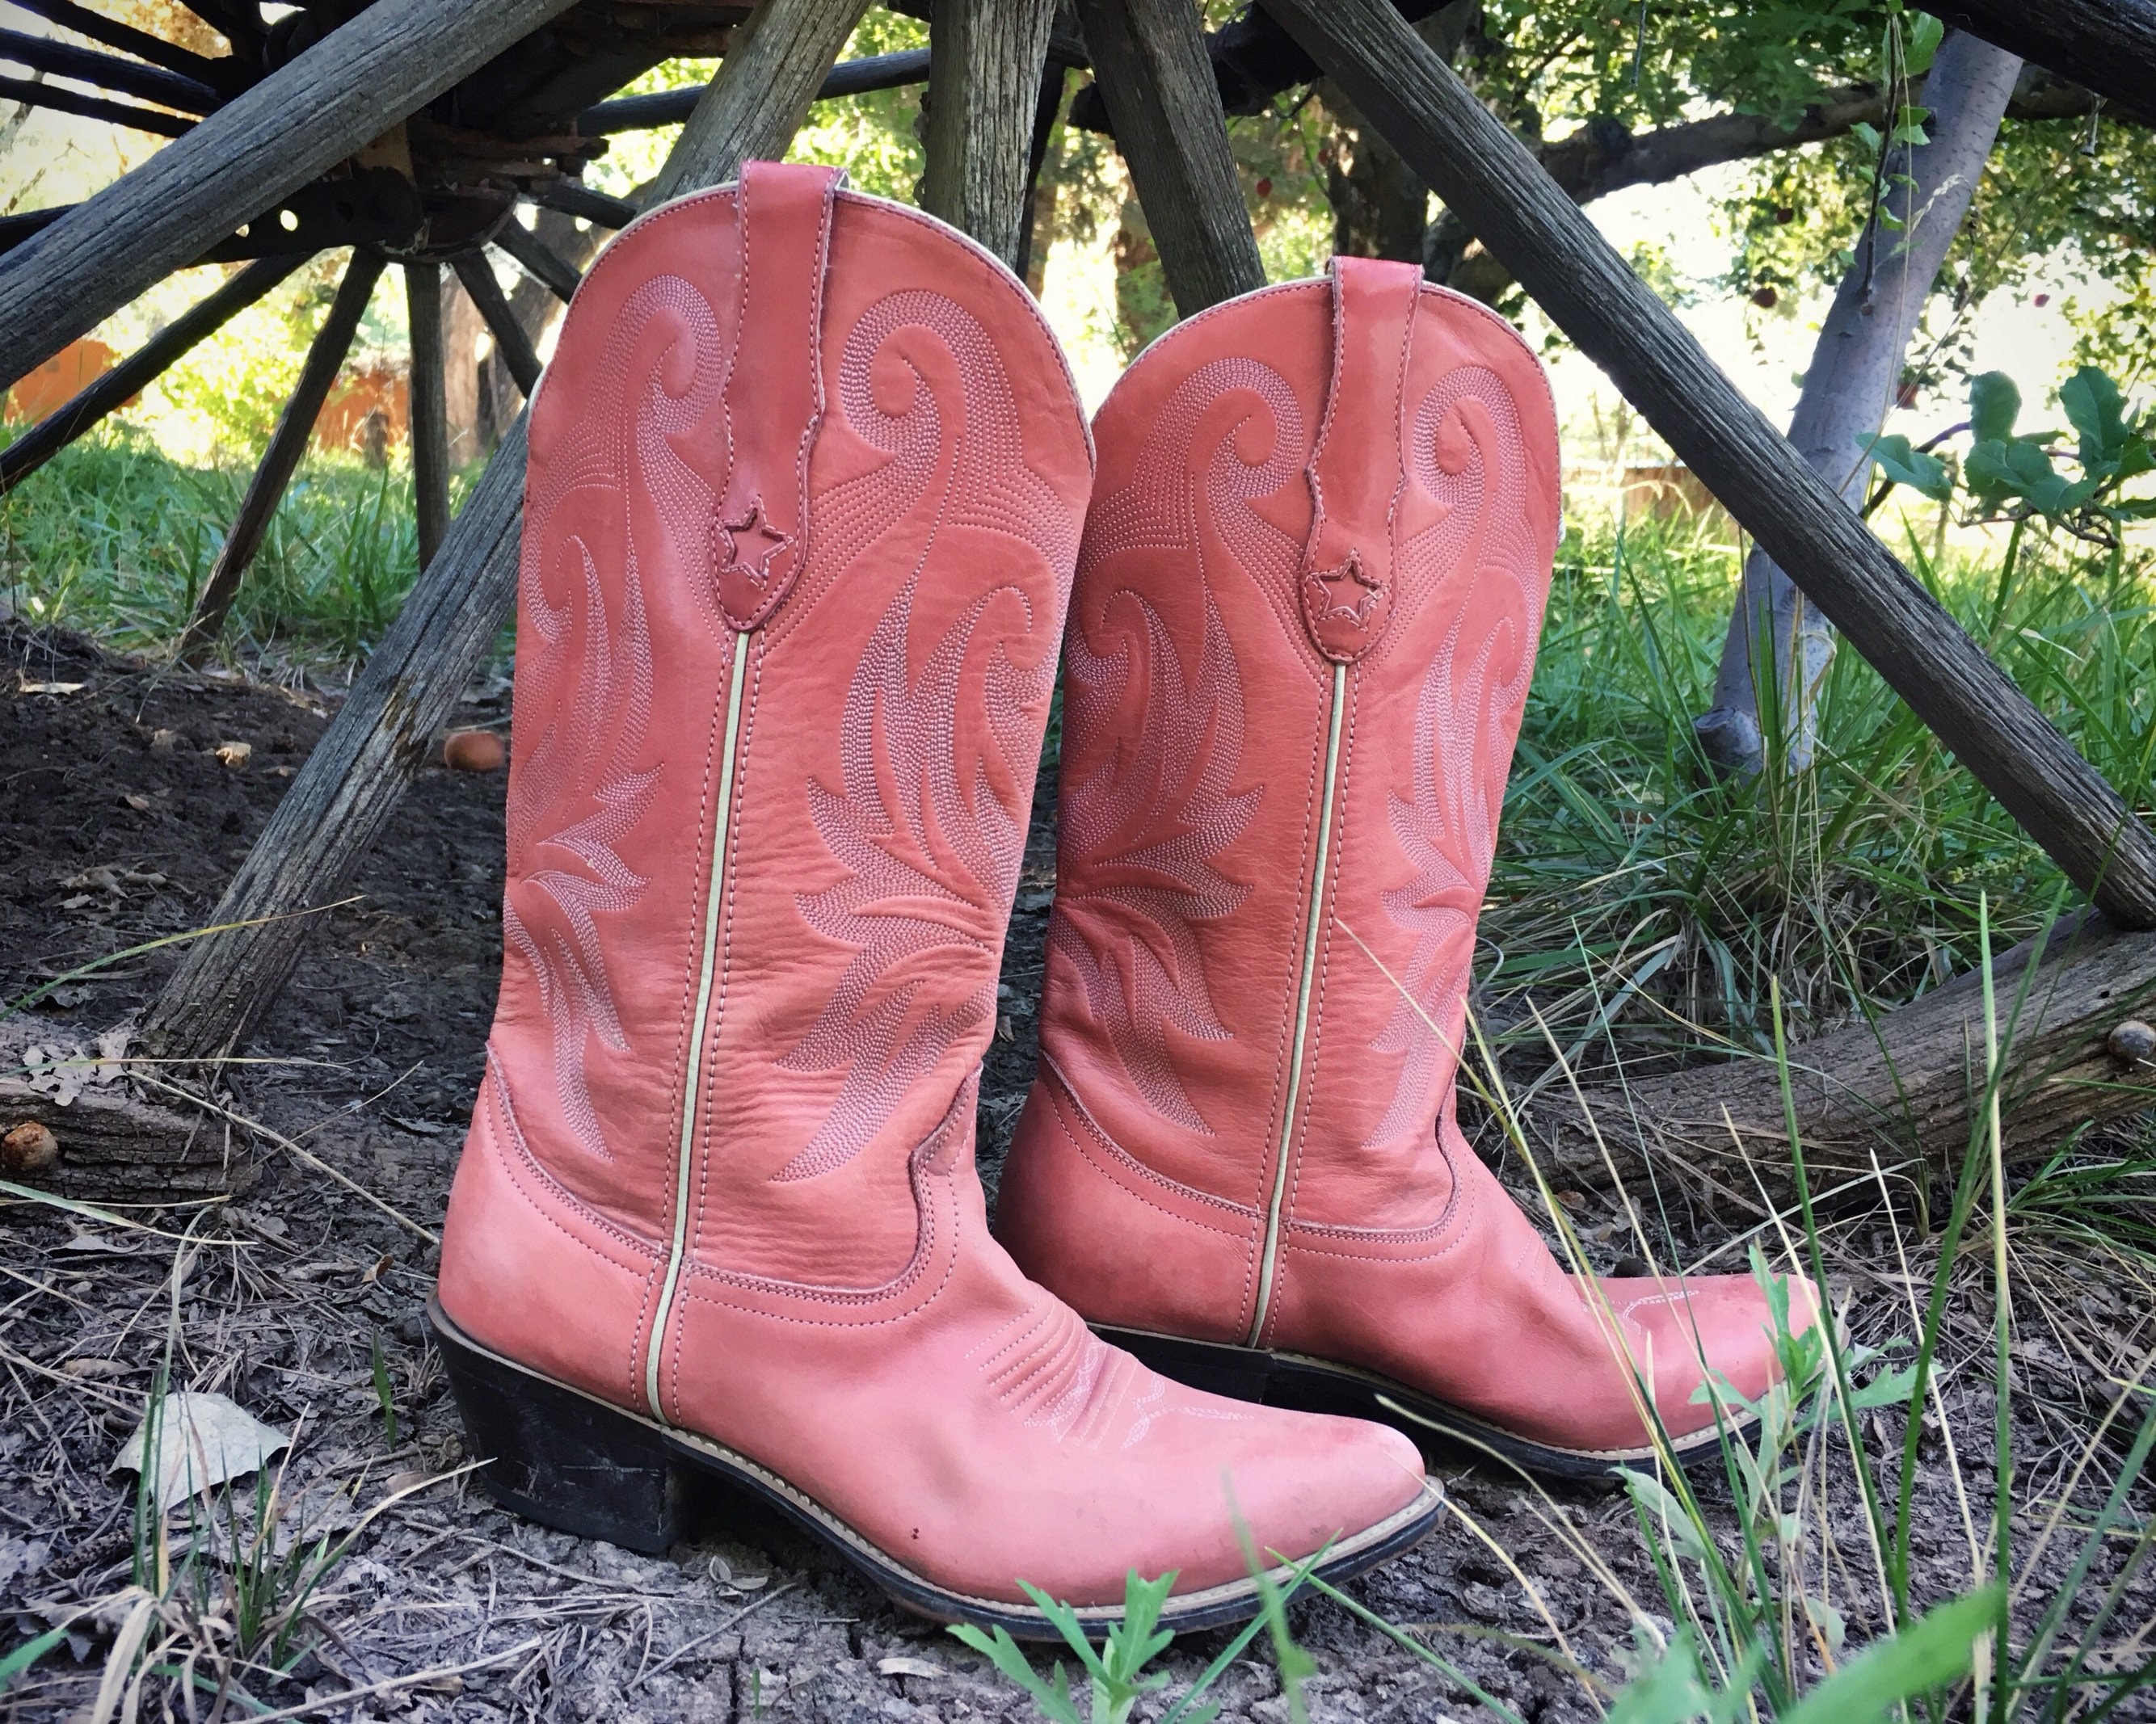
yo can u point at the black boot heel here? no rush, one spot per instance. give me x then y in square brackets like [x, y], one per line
[1242, 1373]
[561, 1458]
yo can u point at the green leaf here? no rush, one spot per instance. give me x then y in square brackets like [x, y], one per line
[1866, 133]
[1994, 402]
[1929, 1654]
[1659, 1508]
[1904, 465]
[28, 1653]
[1924, 35]
[2095, 410]
[1054, 1700]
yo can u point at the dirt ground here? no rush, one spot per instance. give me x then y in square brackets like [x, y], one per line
[119, 823]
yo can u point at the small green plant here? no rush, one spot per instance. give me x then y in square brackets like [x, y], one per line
[383, 1393]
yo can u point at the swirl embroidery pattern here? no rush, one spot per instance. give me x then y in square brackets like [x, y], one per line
[1468, 453]
[929, 822]
[580, 793]
[1140, 832]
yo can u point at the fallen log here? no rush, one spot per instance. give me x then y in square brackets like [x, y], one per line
[1907, 1088]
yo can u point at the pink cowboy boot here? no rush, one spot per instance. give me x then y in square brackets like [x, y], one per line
[806, 481]
[1300, 644]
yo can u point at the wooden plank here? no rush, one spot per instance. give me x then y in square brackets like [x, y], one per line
[138, 369]
[1486, 174]
[509, 341]
[358, 772]
[1150, 64]
[393, 58]
[1905, 1086]
[430, 410]
[539, 260]
[2108, 46]
[984, 84]
[280, 460]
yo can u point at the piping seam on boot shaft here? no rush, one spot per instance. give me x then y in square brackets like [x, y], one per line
[692, 1081]
[1270, 1263]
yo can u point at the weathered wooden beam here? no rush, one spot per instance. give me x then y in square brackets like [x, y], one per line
[984, 84]
[393, 58]
[1486, 174]
[1149, 62]
[1906, 1087]
[33, 94]
[138, 369]
[358, 771]
[2108, 45]
[225, 74]
[539, 260]
[430, 409]
[573, 199]
[509, 341]
[108, 71]
[280, 460]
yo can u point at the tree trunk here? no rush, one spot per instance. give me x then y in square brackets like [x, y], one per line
[1848, 390]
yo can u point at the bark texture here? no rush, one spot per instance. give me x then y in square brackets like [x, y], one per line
[1780, 645]
[986, 57]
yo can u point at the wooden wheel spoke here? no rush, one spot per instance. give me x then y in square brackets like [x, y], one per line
[109, 71]
[138, 369]
[32, 93]
[538, 259]
[430, 411]
[287, 443]
[509, 341]
[227, 75]
[573, 199]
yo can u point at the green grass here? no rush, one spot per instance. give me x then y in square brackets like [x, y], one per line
[1623, 860]
[115, 539]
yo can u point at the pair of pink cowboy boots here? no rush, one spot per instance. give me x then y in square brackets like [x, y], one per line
[808, 484]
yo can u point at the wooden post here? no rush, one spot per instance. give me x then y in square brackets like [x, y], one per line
[430, 410]
[2108, 46]
[138, 369]
[288, 443]
[1150, 64]
[1487, 176]
[352, 780]
[394, 56]
[986, 57]
[510, 339]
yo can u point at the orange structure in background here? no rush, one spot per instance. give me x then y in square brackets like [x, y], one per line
[59, 380]
[361, 391]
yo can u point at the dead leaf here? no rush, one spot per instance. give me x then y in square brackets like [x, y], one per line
[77, 902]
[910, 1667]
[165, 741]
[140, 804]
[233, 754]
[202, 1440]
[378, 1268]
[96, 1369]
[24, 686]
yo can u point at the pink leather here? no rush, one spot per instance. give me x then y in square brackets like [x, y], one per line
[887, 397]
[1360, 473]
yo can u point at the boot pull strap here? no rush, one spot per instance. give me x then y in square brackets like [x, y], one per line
[760, 533]
[1357, 469]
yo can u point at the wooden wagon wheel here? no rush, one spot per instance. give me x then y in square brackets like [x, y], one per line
[441, 187]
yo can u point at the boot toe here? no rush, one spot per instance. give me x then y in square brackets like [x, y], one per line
[1710, 1326]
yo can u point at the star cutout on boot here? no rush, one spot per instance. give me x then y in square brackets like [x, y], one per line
[736, 536]
[1344, 592]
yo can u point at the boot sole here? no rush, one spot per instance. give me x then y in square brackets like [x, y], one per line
[1312, 1385]
[569, 1460]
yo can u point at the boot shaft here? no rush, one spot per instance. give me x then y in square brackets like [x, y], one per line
[1301, 638]
[805, 481]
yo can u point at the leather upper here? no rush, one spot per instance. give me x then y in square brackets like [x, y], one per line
[1300, 640]
[806, 483]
